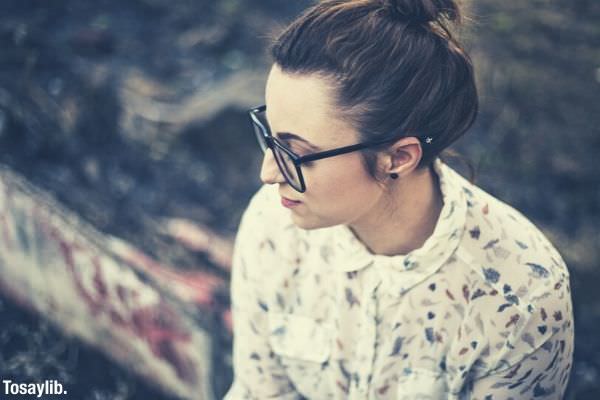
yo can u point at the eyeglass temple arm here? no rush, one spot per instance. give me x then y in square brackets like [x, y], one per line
[342, 150]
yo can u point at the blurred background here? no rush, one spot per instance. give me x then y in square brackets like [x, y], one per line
[127, 160]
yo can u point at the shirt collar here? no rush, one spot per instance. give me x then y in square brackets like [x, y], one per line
[401, 272]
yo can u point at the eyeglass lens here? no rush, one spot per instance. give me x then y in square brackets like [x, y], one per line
[283, 159]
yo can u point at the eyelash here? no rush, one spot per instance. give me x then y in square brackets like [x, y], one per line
[293, 147]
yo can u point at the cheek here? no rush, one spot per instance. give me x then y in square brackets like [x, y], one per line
[340, 189]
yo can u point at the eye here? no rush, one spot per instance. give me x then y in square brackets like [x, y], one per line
[294, 146]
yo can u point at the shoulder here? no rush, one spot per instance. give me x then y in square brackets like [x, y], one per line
[502, 246]
[264, 215]
[262, 231]
[264, 204]
[505, 248]
[519, 288]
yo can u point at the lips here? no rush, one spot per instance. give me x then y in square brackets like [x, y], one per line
[289, 203]
[290, 200]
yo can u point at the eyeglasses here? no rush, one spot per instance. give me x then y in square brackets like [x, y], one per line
[289, 162]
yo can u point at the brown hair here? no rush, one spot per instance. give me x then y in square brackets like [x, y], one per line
[396, 68]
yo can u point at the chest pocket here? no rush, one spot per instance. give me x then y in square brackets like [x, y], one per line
[422, 384]
[299, 337]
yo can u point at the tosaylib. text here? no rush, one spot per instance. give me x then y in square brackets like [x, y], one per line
[48, 387]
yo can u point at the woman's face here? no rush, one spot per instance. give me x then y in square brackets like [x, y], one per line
[339, 190]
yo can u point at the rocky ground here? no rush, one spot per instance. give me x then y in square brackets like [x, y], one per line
[132, 111]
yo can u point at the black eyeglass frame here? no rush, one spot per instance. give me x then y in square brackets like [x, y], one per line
[298, 160]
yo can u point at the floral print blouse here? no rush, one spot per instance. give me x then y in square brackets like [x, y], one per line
[481, 311]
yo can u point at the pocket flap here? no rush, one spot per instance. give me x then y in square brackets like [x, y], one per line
[299, 337]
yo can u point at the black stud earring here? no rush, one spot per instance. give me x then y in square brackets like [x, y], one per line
[394, 175]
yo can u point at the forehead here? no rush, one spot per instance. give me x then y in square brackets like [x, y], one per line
[296, 92]
[302, 104]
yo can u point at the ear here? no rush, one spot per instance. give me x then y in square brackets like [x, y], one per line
[402, 157]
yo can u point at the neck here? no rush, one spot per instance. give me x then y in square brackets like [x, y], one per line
[403, 219]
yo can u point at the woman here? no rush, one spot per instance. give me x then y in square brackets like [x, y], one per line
[365, 267]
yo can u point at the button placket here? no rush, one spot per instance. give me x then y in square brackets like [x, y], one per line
[360, 384]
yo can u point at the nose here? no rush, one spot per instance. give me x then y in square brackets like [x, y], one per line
[269, 172]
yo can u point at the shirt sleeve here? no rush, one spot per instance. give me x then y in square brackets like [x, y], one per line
[257, 372]
[542, 373]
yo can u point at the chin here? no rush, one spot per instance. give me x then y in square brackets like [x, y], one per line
[308, 223]
[303, 224]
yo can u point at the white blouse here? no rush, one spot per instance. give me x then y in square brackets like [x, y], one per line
[481, 311]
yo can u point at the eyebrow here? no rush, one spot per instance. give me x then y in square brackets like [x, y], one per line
[289, 135]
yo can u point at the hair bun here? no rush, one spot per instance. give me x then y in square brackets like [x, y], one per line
[423, 11]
